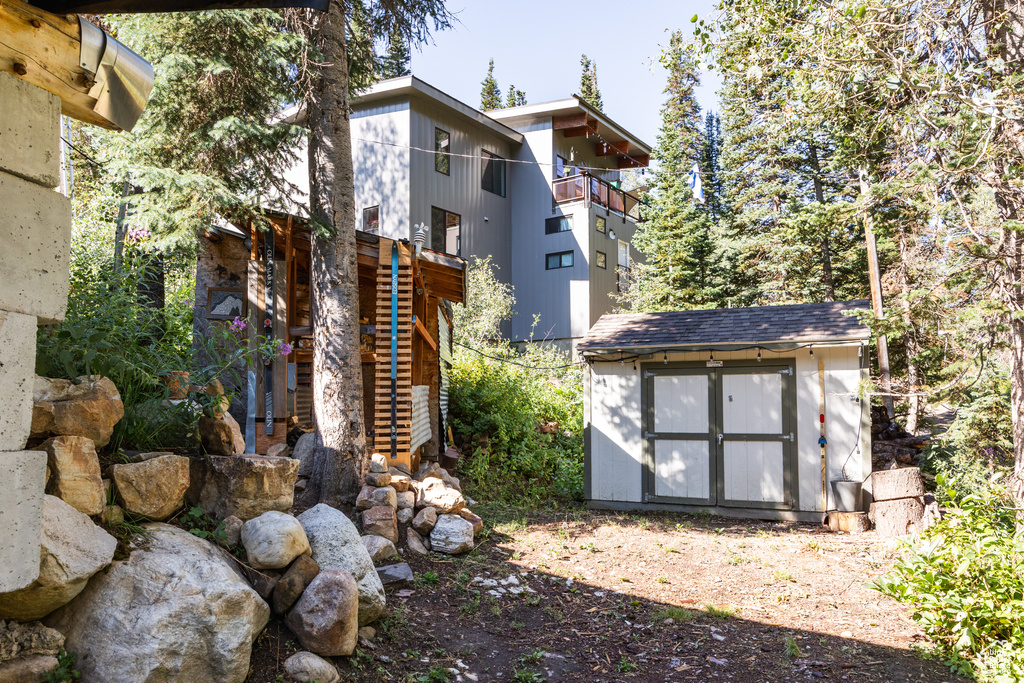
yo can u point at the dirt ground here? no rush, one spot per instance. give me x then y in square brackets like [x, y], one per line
[599, 596]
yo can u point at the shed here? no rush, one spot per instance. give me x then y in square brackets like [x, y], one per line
[232, 280]
[722, 409]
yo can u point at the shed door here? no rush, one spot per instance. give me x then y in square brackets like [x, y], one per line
[680, 436]
[720, 436]
[755, 438]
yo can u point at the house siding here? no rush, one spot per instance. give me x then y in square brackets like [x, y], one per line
[381, 171]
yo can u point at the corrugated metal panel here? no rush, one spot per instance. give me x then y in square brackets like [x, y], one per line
[444, 399]
[444, 336]
[420, 416]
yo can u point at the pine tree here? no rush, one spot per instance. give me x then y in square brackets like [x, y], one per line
[516, 98]
[396, 61]
[339, 455]
[677, 235]
[364, 65]
[589, 92]
[209, 140]
[490, 93]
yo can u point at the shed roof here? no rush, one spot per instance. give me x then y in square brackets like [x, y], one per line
[797, 323]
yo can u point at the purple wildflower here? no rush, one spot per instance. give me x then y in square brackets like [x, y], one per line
[285, 349]
[237, 325]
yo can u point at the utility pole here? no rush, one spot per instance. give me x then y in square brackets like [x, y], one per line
[874, 278]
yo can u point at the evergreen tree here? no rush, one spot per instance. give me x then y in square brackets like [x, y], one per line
[396, 61]
[490, 93]
[589, 92]
[210, 140]
[364, 65]
[516, 98]
[677, 235]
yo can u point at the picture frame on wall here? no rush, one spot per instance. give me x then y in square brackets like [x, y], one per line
[226, 303]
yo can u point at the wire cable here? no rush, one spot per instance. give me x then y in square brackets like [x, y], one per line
[81, 153]
[512, 362]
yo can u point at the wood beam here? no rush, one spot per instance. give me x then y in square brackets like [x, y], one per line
[605, 149]
[590, 128]
[45, 50]
[635, 161]
[569, 121]
[422, 330]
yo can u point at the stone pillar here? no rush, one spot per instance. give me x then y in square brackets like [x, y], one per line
[35, 240]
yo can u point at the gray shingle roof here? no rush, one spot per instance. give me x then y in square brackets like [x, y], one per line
[803, 323]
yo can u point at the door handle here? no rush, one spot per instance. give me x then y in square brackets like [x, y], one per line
[720, 438]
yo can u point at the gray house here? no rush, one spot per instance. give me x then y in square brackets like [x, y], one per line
[536, 188]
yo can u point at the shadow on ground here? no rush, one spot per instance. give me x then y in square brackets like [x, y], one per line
[595, 596]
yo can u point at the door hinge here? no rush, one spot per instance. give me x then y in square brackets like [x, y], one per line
[648, 374]
[649, 435]
[786, 371]
[647, 498]
[787, 437]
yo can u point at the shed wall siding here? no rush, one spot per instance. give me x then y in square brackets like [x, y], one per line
[616, 422]
[616, 464]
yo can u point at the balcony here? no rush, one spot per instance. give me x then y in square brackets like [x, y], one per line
[591, 189]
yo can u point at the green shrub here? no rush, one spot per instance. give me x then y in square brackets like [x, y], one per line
[499, 407]
[964, 582]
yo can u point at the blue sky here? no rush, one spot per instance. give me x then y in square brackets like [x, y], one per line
[536, 45]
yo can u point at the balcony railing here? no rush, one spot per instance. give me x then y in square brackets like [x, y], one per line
[590, 188]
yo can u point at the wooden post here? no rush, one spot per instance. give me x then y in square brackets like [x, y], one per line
[875, 282]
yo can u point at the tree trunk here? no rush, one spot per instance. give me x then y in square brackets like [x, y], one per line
[339, 460]
[911, 343]
[826, 249]
[875, 280]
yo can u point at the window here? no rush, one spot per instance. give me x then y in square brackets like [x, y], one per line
[557, 224]
[601, 260]
[371, 219]
[442, 151]
[445, 231]
[602, 224]
[494, 174]
[561, 167]
[561, 259]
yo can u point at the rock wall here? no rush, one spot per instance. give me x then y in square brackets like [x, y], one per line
[35, 231]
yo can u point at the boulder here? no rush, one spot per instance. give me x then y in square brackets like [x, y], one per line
[425, 520]
[326, 617]
[336, 545]
[136, 456]
[379, 548]
[451, 535]
[263, 581]
[273, 540]
[288, 589]
[153, 488]
[416, 543]
[233, 530]
[395, 574]
[405, 515]
[31, 669]
[380, 521]
[112, 515]
[435, 493]
[303, 452]
[377, 479]
[399, 481]
[24, 640]
[474, 519]
[89, 408]
[278, 450]
[371, 497]
[306, 667]
[428, 470]
[221, 435]
[176, 611]
[245, 486]
[378, 463]
[75, 473]
[451, 481]
[406, 499]
[72, 550]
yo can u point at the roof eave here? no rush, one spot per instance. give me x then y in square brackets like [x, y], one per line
[776, 345]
